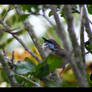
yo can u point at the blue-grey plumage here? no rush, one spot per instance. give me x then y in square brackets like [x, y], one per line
[50, 46]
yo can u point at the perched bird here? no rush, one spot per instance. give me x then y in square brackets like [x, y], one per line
[50, 46]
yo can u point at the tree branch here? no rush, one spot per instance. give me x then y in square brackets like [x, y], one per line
[7, 70]
[82, 33]
[30, 31]
[81, 67]
[21, 76]
[70, 58]
[7, 29]
[87, 26]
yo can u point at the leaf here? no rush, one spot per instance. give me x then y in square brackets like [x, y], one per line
[25, 67]
[89, 8]
[29, 7]
[29, 60]
[25, 7]
[88, 46]
[42, 70]
[23, 17]
[3, 12]
[54, 62]
[3, 75]
[62, 13]
[89, 79]
[7, 42]
[50, 14]
[50, 64]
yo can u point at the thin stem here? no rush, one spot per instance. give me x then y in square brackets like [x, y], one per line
[7, 70]
[35, 83]
[82, 33]
[6, 27]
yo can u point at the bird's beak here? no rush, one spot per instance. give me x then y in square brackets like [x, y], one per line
[44, 39]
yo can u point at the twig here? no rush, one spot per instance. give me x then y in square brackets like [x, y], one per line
[7, 29]
[47, 18]
[87, 53]
[6, 12]
[86, 22]
[12, 59]
[82, 33]
[35, 83]
[7, 71]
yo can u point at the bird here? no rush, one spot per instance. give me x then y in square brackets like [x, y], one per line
[50, 46]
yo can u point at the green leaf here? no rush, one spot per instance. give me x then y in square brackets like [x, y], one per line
[7, 42]
[25, 7]
[23, 17]
[29, 60]
[89, 8]
[62, 13]
[42, 70]
[50, 64]
[50, 14]
[3, 12]
[25, 67]
[29, 7]
[54, 62]
[3, 75]
[88, 46]
[89, 79]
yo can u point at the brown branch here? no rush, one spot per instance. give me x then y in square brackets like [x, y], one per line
[7, 29]
[82, 73]
[82, 33]
[87, 26]
[6, 13]
[30, 31]
[7, 70]
[31, 81]
[70, 58]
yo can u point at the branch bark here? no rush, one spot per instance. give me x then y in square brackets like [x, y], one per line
[30, 31]
[77, 52]
[82, 33]
[87, 26]
[35, 83]
[7, 70]
[70, 58]
[7, 29]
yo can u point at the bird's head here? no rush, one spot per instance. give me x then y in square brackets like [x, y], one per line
[50, 46]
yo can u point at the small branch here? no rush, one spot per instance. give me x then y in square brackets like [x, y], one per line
[47, 19]
[60, 30]
[81, 75]
[35, 83]
[8, 72]
[12, 59]
[87, 53]
[6, 27]
[6, 13]
[86, 22]
[82, 33]
[30, 31]
[70, 58]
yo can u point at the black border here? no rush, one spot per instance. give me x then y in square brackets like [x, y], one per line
[45, 1]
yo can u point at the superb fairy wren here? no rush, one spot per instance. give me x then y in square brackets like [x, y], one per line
[50, 46]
